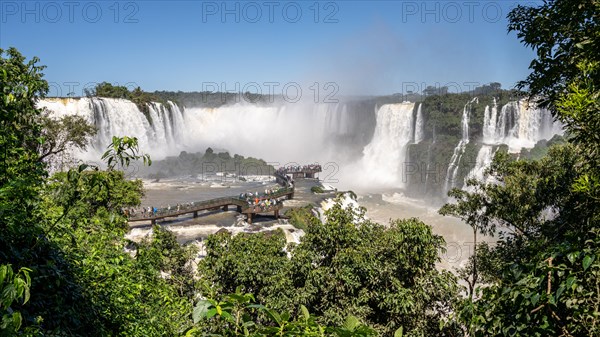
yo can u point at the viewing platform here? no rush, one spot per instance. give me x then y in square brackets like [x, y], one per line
[247, 204]
[241, 204]
[306, 171]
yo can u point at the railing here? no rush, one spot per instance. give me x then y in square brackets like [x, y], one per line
[241, 202]
[213, 203]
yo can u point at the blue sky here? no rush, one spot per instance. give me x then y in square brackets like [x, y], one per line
[363, 47]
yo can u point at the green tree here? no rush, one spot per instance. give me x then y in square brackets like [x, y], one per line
[547, 211]
[61, 133]
[254, 262]
[164, 253]
[563, 33]
[232, 316]
[106, 89]
[69, 231]
[346, 265]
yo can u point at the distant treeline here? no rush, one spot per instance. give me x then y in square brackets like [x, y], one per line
[207, 164]
[214, 99]
[138, 96]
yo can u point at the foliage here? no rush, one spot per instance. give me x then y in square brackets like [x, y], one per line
[386, 277]
[61, 133]
[563, 33]
[208, 163]
[232, 316]
[300, 217]
[67, 231]
[255, 262]
[555, 296]
[541, 148]
[13, 288]
[128, 295]
[21, 172]
[122, 151]
[164, 253]
[547, 210]
[106, 89]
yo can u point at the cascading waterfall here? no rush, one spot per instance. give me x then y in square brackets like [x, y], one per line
[385, 156]
[531, 124]
[460, 148]
[520, 125]
[491, 137]
[278, 133]
[429, 155]
[178, 123]
[419, 126]
[369, 146]
[283, 133]
[119, 117]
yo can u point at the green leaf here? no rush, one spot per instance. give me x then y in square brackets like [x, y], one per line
[3, 272]
[200, 310]
[560, 290]
[351, 323]
[399, 332]
[305, 313]
[210, 313]
[17, 320]
[273, 315]
[587, 261]
[572, 256]
[535, 298]
[226, 315]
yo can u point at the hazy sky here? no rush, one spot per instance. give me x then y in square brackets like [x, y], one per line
[351, 47]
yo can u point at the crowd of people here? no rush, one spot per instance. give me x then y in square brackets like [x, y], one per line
[299, 168]
[263, 205]
[256, 201]
[264, 201]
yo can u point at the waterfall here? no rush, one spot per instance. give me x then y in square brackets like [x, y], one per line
[519, 125]
[419, 126]
[492, 135]
[491, 131]
[531, 124]
[434, 139]
[460, 147]
[120, 117]
[368, 143]
[279, 132]
[178, 122]
[384, 157]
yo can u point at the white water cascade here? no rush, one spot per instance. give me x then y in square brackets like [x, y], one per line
[284, 133]
[490, 138]
[459, 150]
[519, 125]
[385, 156]
[419, 126]
[120, 117]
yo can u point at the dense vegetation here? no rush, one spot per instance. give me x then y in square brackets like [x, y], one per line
[544, 273]
[385, 276]
[66, 269]
[207, 163]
